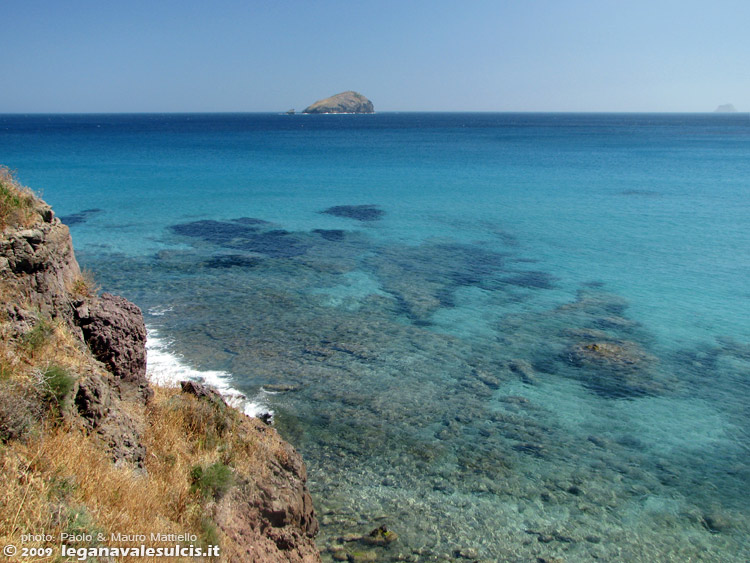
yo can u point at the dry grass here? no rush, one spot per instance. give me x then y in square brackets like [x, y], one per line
[16, 202]
[62, 480]
[84, 286]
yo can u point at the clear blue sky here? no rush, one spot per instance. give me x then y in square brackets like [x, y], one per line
[407, 55]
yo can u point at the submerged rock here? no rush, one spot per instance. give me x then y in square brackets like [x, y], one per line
[218, 232]
[524, 370]
[716, 522]
[381, 536]
[331, 234]
[424, 278]
[359, 212]
[614, 368]
[247, 235]
[80, 217]
[233, 261]
[363, 556]
[531, 280]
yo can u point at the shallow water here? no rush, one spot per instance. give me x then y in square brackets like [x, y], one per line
[502, 336]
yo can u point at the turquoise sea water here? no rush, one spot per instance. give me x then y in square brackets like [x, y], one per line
[512, 336]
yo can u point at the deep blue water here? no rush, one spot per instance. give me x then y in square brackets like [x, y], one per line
[534, 342]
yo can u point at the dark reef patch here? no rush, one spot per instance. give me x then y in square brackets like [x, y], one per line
[358, 212]
[640, 193]
[614, 368]
[250, 221]
[333, 235]
[276, 243]
[423, 278]
[531, 280]
[233, 261]
[217, 232]
[80, 217]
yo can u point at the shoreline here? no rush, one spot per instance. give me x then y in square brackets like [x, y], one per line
[166, 369]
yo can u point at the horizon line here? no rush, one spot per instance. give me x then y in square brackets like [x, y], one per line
[268, 112]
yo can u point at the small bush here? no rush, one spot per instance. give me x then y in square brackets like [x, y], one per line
[6, 369]
[39, 335]
[207, 422]
[80, 522]
[84, 286]
[16, 202]
[20, 408]
[57, 385]
[209, 533]
[213, 481]
[61, 487]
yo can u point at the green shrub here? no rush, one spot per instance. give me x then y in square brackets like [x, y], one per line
[39, 335]
[80, 522]
[209, 533]
[213, 481]
[58, 384]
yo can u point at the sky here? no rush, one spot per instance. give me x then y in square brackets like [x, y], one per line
[406, 55]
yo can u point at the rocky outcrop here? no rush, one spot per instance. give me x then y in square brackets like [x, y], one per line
[346, 102]
[39, 263]
[271, 519]
[114, 331]
[39, 270]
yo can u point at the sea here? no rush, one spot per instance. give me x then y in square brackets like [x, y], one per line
[501, 336]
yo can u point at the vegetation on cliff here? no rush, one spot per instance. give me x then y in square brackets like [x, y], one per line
[16, 202]
[89, 448]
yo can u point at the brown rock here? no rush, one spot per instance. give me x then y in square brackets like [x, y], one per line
[114, 330]
[272, 519]
[202, 391]
[39, 263]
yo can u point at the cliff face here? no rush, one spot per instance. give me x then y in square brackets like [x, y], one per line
[39, 263]
[346, 102]
[73, 370]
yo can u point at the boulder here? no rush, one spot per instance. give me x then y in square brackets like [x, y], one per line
[114, 330]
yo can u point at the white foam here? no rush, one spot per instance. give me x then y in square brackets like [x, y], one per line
[159, 311]
[166, 369]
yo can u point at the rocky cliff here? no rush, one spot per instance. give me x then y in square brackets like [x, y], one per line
[79, 421]
[346, 102]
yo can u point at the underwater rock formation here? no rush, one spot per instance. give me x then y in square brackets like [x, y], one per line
[358, 212]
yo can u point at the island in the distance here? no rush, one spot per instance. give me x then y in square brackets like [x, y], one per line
[346, 102]
[725, 108]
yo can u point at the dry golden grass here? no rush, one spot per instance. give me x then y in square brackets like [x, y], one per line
[16, 202]
[84, 286]
[62, 480]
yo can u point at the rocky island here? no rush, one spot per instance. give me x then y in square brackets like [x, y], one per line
[346, 102]
[726, 108]
[90, 448]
